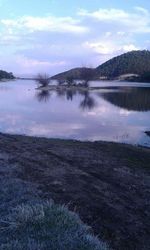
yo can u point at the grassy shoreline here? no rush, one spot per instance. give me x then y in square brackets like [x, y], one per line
[106, 183]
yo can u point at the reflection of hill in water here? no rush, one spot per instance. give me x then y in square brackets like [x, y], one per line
[133, 99]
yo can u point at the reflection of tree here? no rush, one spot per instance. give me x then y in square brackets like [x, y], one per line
[43, 95]
[88, 102]
[87, 74]
[60, 92]
[68, 93]
[132, 99]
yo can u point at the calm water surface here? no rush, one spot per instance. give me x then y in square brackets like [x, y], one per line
[118, 112]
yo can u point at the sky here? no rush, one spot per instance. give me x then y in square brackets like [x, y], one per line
[52, 36]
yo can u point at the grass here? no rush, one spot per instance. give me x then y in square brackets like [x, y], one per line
[44, 226]
[108, 184]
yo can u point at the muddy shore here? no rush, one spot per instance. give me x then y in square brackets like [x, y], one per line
[108, 184]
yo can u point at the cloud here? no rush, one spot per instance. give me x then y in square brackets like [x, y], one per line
[32, 44]
[110, 48]
[143, 10]
[49, 23]
[105, 14]
[26, 62]
[130, 47]
[136, 21]
[31, 66]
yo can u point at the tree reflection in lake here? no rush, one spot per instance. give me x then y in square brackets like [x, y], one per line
[88, 102]
[67, 93]
[70, 112]
[43, 95]
[131, 99]
[70, 93]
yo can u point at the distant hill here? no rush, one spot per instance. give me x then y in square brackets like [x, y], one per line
[6, 75]
[75, 73]
[134, 62]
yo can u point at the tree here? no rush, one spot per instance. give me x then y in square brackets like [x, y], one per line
[70, 80]
[6, 75]
[43, 80]
[87, 74]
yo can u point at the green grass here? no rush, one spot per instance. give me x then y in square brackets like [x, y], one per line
[46, 226]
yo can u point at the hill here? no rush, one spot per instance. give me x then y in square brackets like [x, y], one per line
[76, 73]
[6, 75]
[134, 62]
[128, 64]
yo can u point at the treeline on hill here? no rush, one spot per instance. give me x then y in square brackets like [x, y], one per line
[76, 73]
[6, 75]
[134, 62]
[142, 78]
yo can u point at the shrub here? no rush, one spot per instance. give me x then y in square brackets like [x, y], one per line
[46, 226]
[70, 80]
[87, 74]
[6, 75]
[43, 79]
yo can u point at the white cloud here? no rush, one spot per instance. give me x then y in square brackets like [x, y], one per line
[141, 9]
[100, 47]
[105, 14]
[28, 63]
[50, 23]
[137, 21]
[105, 47]
[121, 33]
[53, 44]
[22, 64]
[129, 47]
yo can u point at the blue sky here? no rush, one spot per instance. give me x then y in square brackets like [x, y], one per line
[55, 35]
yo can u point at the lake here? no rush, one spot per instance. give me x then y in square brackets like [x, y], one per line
[118, 112]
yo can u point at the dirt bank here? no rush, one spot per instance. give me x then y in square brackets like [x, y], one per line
[108, 184]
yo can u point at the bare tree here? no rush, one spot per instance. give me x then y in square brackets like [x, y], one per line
[70, 80]
[60, 82]
[87, 74]
[43, 79]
